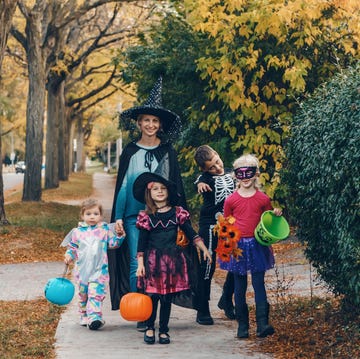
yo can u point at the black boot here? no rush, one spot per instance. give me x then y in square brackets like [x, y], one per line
[242, 316]
[262, 320]
[203, 316]
[225, 302]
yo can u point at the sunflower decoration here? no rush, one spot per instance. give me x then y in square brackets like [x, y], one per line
[228, 237]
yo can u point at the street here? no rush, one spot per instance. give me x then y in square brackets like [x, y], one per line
[12, 180]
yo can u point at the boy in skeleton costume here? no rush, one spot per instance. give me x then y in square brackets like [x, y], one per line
[214, 185]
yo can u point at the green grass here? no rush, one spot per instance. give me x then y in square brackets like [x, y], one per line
[47, 215]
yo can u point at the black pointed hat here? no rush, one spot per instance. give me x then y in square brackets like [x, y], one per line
[170, 121]
[145, 178]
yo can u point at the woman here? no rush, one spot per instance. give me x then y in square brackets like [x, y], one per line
[150, 153]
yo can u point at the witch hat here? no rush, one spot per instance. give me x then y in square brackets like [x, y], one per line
[142, 181]
[170, 121]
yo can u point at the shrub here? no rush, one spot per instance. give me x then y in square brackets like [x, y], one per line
[323, 177]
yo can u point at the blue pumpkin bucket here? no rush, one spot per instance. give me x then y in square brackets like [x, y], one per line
[59, 290]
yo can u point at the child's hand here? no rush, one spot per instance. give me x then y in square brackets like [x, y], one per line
[68, 259]
[207, 255]
[140, 272]
[203, 187]
[277, 211]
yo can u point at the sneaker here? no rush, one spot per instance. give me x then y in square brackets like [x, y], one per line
[96, 324]
[83, 321]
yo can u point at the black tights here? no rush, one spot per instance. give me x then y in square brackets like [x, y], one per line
[257, 280]
[165, 310]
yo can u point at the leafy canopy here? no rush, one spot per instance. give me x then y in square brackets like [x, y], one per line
[263, 56]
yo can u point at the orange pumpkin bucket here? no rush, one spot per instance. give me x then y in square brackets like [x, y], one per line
[135, 307]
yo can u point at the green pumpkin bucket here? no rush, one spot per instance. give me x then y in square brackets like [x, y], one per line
[271, 229]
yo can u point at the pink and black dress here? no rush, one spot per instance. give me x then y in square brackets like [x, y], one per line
[167, 265]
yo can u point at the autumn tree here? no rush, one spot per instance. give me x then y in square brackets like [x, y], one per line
[97, 79]
[84, 39]
[170, 48]
[7, 10]
[264, 57]
[44, 19]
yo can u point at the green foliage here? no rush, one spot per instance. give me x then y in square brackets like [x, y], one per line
[262, 55]
[234, 73]
[323, 174]
[171, 49]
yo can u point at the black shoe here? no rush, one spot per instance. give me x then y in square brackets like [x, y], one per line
[141, 326]
[204, 318]
[164, 340]
[96, 324]
[227, 307]
[149, 339]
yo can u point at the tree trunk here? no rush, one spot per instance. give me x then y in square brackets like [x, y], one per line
[3, 219]
[63, 138]
[7, 10]
[71, 154]
[52, 137]
[80, 146]
[35, 111]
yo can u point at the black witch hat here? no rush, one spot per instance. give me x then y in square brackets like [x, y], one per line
[170, 121]
[145, 178]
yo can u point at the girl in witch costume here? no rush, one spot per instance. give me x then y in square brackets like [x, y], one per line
[148, 154]
[162, 263]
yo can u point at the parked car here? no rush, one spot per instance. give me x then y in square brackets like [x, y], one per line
[20, 167]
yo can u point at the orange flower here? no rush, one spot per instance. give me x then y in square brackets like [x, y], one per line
[225, 257]
[237, 252]
[228, 237]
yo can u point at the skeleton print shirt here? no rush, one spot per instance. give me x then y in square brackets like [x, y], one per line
[213, 201]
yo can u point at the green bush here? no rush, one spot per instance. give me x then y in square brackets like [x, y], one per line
[324, 181]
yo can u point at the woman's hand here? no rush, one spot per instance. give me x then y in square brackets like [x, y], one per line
[119, 228]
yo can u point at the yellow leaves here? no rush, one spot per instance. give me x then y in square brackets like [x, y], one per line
[235, 5]
[260, 56]
[245, 31]
[252, 59]
[267, 91]
[295, 76]
[212, 123]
